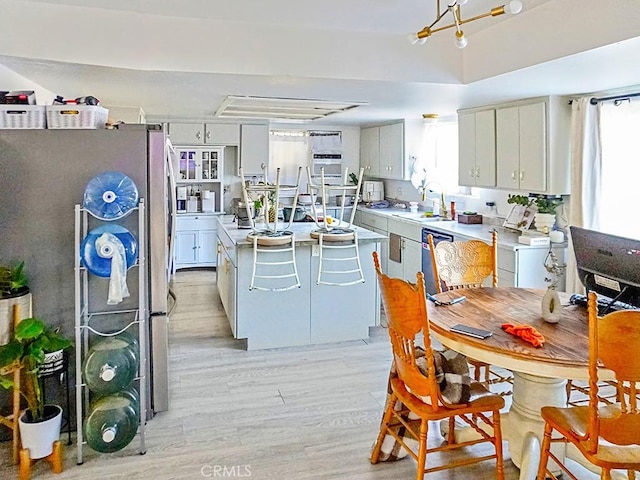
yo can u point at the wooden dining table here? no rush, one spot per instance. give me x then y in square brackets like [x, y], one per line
[540, 374]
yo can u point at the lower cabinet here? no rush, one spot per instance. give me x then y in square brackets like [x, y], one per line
[377, 224]
[226, 275]
[195, 241]
[405, 250]
[524, 267]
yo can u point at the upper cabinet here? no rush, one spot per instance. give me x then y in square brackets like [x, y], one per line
[477, 148]
[521, 152]
[530, 147]
[392, 151]
[226, 134]
[254, 148]
[370, 151]
[382, 151]
[198, 165]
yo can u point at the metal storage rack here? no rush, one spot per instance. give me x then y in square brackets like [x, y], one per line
[84, 316]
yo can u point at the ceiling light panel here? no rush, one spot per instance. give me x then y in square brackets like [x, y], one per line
[281, 108]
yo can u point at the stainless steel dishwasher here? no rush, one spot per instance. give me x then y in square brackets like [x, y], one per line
[427, 267]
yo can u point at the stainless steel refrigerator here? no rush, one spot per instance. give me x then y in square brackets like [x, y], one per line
[43, 175]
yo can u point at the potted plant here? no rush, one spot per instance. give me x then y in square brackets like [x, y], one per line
[40, 424]
[545, 217]
[14, 291]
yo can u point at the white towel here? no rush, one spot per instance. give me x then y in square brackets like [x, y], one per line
[110, 246]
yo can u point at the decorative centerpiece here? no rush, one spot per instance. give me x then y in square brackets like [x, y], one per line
[551, 308]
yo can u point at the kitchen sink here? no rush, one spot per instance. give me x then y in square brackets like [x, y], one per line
[420, 217]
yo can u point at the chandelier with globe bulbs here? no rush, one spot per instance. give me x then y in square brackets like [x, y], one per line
[453, 7]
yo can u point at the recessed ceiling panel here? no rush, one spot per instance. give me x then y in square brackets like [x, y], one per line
[271, 108]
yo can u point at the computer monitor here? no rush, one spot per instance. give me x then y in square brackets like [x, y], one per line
[607, 264]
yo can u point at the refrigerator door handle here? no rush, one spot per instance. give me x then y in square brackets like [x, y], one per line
[172, 156]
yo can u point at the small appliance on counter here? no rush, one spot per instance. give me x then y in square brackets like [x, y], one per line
[181, 199]
[372, 191]
[241, 213]
[208, 201]
[192, 204]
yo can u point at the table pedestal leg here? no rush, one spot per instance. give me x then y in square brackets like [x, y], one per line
[524, 427]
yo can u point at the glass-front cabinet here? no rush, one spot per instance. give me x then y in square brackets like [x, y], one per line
[199, 164]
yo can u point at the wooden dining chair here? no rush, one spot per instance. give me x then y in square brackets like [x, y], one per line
[468, 264]
[607, 435]
[419, 394]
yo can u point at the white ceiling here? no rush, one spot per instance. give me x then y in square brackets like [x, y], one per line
[178, 60]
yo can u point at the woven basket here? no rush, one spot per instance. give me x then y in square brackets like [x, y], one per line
[76, 116]
[22, 116]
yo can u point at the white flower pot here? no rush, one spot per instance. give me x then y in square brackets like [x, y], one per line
[544, 221]
[39, 437]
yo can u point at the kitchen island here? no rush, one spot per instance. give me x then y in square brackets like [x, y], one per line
[309, 314]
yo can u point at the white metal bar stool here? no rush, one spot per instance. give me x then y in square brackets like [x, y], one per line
[274, 261]
[337, 241]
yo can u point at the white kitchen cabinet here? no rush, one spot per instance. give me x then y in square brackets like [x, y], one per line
[195, 241]
[410, 250]
[226, 276]
[382, 151]
[201, 133]
[254, 148]
[477, 148]
[527, 141]
[392, 151]
[199, 165]
[524, 267]
[521, 147]
[377, 224]
[370, 151]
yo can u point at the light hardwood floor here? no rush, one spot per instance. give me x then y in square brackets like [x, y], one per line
[294, 413]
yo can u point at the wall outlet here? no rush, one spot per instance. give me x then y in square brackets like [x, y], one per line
[399, 192]
[315, 250]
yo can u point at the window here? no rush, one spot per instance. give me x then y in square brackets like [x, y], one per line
[438, 157]
[620, 137]
[288, 149]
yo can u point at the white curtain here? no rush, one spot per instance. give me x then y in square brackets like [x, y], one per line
[586, 177]
[620, 194]
[288, 153]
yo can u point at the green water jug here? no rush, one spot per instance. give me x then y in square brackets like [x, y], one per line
[131, 394]
[112, 422]
[111, 365]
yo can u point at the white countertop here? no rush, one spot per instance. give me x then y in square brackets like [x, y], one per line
[506, 238]
[301, 231]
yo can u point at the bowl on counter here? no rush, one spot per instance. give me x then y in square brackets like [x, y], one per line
[298, 215]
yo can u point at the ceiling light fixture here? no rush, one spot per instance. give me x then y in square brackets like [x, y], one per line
[513, 7]
[430, 118]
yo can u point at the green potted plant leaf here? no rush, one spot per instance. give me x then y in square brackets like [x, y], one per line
[523, 200]
[13, 280]
[32, 340]
[14, 293]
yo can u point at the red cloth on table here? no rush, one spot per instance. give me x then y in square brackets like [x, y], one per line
[525, 332]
